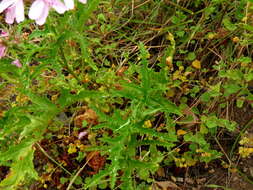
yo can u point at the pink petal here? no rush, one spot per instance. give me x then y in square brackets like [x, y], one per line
[59, 6]
[42, 19]
[17, 63]
[5, 4]
[3, 33]
[37, 9]
[2, 50]
[83, 1]
[82, 134]
[19, 11]
[10, 15]
[69, 4]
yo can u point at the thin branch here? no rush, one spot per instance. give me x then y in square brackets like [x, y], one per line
[78, 172]
[53, 160]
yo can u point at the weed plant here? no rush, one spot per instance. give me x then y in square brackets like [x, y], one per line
[153, 84]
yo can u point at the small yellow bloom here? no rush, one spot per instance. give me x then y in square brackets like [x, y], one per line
[244, 140]
[244, 19]
[245, 151]
[181, 132]
[170, 93]
[205, 154]
[196, 64]
[233, 170]
[169, 62]
[210, 35]
[72, 149]
[199, 150]
[148, 124]
[181, 68]
[235, 39]
[54, 97]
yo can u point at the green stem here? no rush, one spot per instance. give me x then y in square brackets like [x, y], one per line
[239, 136]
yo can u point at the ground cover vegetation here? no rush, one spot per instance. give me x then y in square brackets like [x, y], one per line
[130, 95]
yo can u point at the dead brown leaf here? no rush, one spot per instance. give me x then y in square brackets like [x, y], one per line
[89, 115]
[165, 185]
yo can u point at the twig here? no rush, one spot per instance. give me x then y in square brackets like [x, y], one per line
[137, 6]
[78, 172]
[53, 160]
[230, 162]
[179, 7]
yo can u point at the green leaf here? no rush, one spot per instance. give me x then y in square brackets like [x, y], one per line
[20, 169]
[245, 60]
[42, 102]
[205, 97]
[166, 105]
[96, 179]
[84, 12]
[167, 137]
[191, 56]
[228, 24]
[36, 127]
[197, 138]
[15, 151]
[85, 52]
[239, 103]
[127, 179]
[213, 122]
[231, 89]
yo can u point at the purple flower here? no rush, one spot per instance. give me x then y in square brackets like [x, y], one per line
[17, 63]
[40, 9]
[14, 9]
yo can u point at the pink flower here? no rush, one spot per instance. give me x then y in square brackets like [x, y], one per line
[2, 47]
[40, 9]
[14, 10]
[17, 63]
[69, 4]
[3, 33]
[83, 1]
[82, 134]
[2, 50]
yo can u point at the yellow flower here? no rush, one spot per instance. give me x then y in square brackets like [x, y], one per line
[148, 124]
[72, 149]
[245, 151]
[205, 154]
[196, 64]
[181, 132]
[244, 140]
[235, 39]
